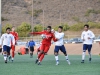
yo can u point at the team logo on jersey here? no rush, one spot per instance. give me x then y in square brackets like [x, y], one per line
[48, 36]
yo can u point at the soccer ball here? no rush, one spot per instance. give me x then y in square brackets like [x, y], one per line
[43, 36]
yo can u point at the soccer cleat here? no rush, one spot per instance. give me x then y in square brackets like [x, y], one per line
[57, 63]
[12, 61]
[89, 59]
[5, 61]
[82, 61]
[36, 61]
[39, 63]
[68, 62]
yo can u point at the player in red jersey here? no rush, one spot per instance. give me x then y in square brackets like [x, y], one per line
[46, 43]
[15, 34]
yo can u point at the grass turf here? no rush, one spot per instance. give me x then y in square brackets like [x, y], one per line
[23, 65]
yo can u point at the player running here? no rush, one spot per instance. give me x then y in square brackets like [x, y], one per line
[5, 41]
[59, 45]
[87, 37]
[15, 34]
[46, 43]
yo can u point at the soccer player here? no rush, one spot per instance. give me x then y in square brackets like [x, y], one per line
[15, 34]
[5, 41]
[46, 43]
[87, 36]
[31, 47]
[59, 45]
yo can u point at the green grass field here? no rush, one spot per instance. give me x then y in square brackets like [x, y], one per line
[23, 65]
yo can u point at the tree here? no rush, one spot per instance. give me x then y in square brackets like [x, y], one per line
[24, 29]
[38, 28]
[6, 26]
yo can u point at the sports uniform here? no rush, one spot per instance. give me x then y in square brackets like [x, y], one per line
[6, 40]
[15, 34]
[87, 37]
[59, 45]
[45, 44]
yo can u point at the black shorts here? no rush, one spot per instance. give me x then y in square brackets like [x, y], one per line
[32, 49]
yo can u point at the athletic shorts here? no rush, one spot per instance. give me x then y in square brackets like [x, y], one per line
[6, 48]
[61, 48]
[32, 49]
[87, 47]
[13, 47]
[44, 47]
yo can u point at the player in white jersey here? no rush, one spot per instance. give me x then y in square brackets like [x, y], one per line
[59, 45]
[5, 41]
[87, 36]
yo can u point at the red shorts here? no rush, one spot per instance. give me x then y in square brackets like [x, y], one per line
[13, 47]
[44, 47]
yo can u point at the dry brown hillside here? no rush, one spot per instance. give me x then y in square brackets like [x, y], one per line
[69, 11]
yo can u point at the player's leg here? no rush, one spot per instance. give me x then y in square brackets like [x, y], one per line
[5, 53]
[46, 48]
[56, 50]
[89, 52]
[62, 48]
[84, 52]
[31, 51]
[42, 47]
[13, 52]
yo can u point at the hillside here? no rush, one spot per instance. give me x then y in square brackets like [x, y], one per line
[55, 11]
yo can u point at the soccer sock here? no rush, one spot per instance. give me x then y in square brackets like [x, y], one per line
[12, 58]
[39, 55]
[13, 54]
[57, 59]
[83, 56]
[66, 58]
[41, 58]
[5, 56]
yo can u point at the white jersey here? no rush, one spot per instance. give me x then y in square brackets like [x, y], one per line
[59, 36]
[85, 35]
[6, 39]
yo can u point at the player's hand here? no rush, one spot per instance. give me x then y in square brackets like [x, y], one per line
[89, 38]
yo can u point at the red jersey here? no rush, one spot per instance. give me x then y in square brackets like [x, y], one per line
[49, 37]
[15, 34]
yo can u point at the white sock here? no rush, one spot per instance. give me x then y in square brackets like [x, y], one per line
[83, 56]
[66, 58]
[57, 59]
[12, 58]
[5, 56]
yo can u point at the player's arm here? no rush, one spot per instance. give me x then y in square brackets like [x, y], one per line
[17, 37]
[92, 35]
[37, 32]
[13, 39]
[1, 40]
[54, 38]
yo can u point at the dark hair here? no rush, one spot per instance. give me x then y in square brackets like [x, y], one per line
[86, 25]
[49, 27]
[60, 27]
[8, 28]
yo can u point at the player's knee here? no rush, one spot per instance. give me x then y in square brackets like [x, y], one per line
[55, 53]
[65, 53]
[84, 50]
[5, 52]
